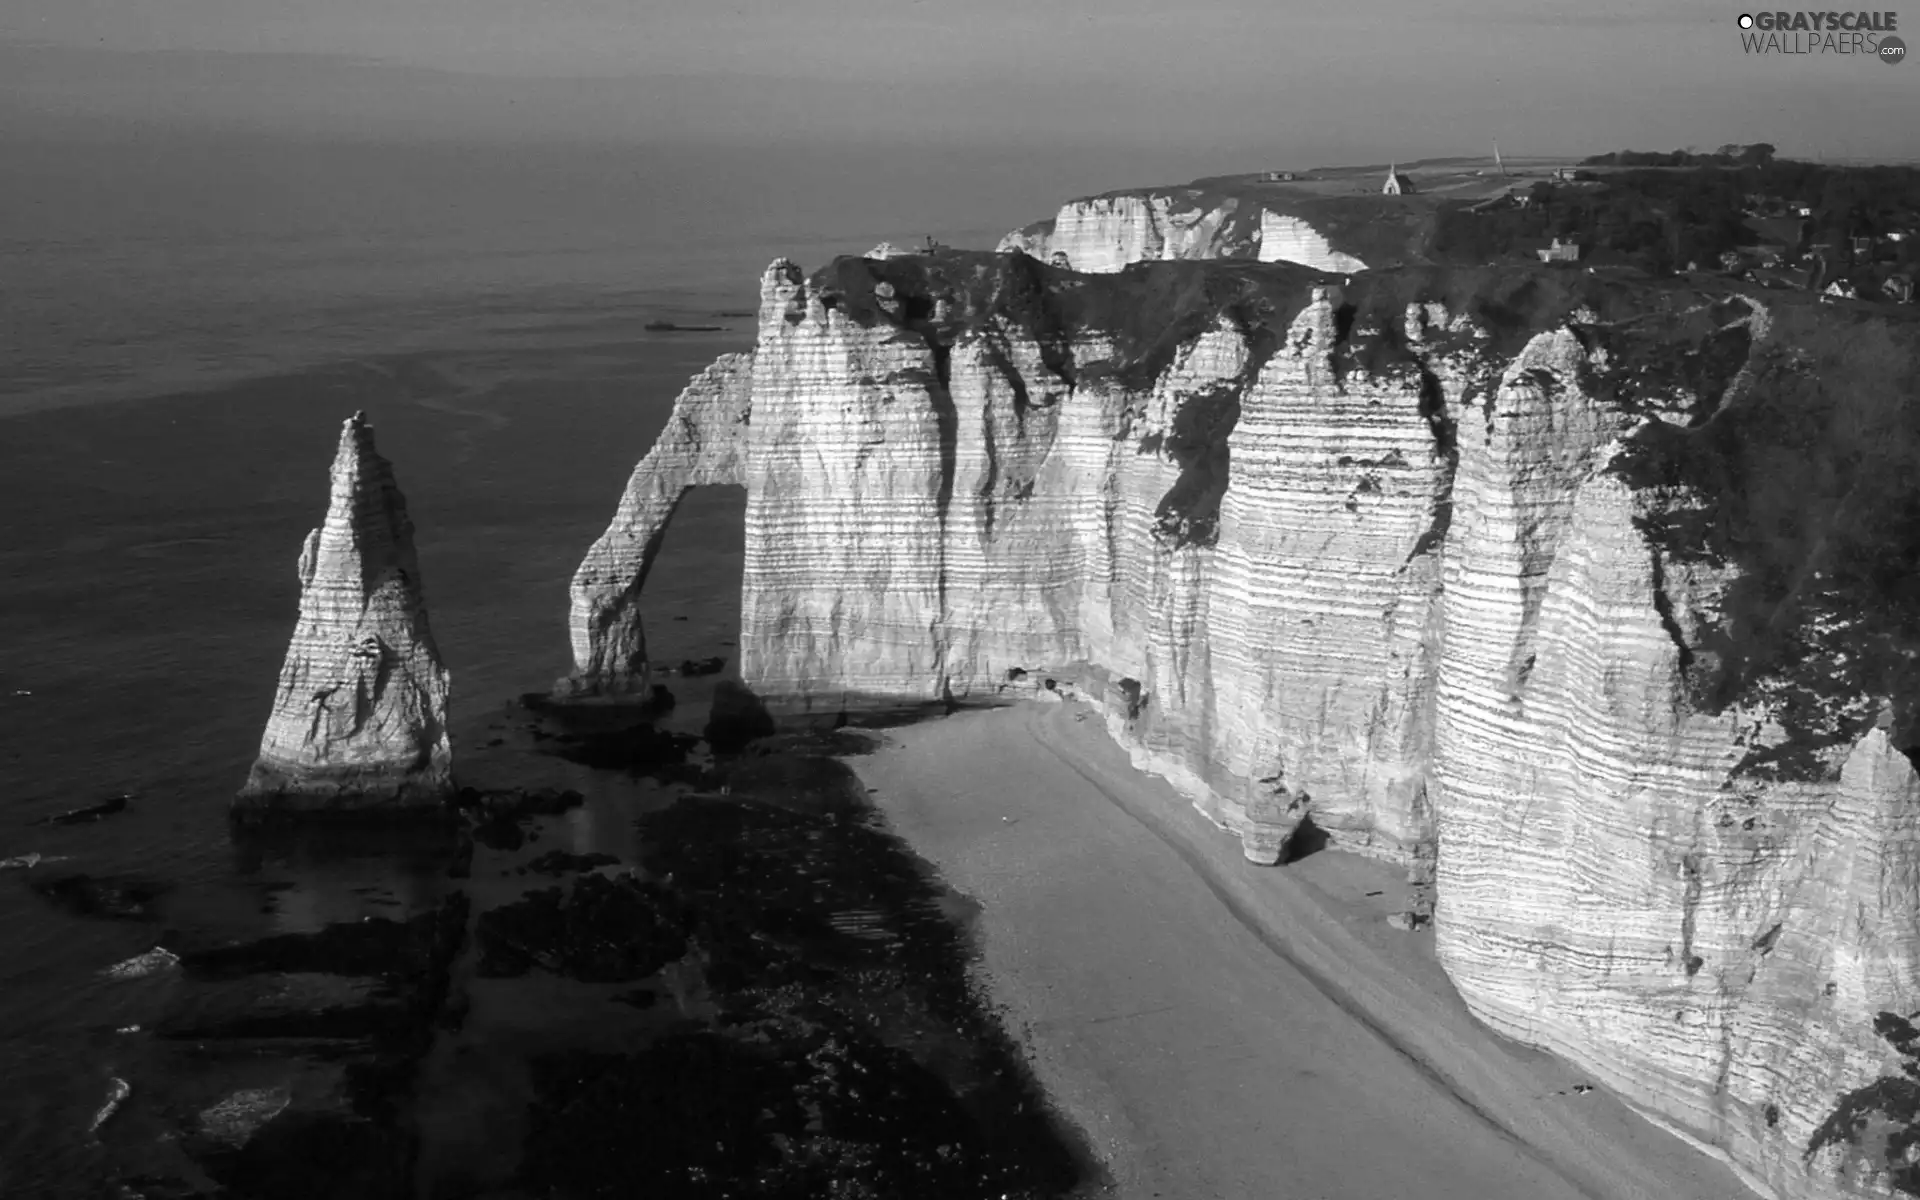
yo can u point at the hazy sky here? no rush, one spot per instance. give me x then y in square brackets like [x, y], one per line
[1353, 80]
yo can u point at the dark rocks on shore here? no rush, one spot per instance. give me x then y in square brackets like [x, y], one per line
[603, 931]
[340, 1018]
[499, 831]
[156, 1187]
[791, 1009]
[562, 862]
[87, 896]
[702, 666]
[780, 1106]
[737, 717]
[317, 1156]
[462, 865]
[850, 1054]
[639, 748]
[89, 814]
[518, 802]
[374, 946]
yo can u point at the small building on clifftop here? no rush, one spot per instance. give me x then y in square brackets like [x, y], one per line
[1559, 251]
[1397, 184]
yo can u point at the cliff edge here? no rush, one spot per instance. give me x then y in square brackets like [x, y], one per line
[1235, 219]
[359, 721]
[1584, 597]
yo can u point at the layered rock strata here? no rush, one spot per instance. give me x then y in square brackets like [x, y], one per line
[701, 444]
[1102, 234]
[359, 720]
[1472, 570]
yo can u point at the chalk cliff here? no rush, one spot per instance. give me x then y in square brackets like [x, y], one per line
[1586, 599]
[359, 721]
[1102, 234]
[700, 445]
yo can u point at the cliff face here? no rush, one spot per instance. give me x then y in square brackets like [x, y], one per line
[1104, 233]
[359, 721]
[1478, 571]
[700, 445]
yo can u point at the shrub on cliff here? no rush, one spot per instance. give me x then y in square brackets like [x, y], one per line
[1809, 485]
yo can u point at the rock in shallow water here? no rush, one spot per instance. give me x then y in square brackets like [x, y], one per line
[234, 1119]
[359, 721]
[86, 896]
[90, 813]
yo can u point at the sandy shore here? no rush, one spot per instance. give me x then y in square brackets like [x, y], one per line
[1224, 1030]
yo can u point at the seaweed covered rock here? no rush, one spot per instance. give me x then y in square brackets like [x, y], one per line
[601, 930]
[770, 1107]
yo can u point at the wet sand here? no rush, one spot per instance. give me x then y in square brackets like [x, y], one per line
[1219, 1029]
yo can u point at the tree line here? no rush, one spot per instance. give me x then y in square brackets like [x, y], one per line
[1660, 220]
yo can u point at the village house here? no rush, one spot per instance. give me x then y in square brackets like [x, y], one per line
[1397, 184]
[1280, 176]
[1839, 289]
[1559, 252]
[1898, 289]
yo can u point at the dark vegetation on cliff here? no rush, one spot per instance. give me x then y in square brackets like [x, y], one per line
[1675, 359]
[1149, 310]
[1189, 514]
[1881, 1121]
[1809, 484]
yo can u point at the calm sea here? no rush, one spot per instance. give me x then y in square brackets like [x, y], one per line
[184, 322]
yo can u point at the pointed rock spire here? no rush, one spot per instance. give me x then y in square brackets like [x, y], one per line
[359, 722]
